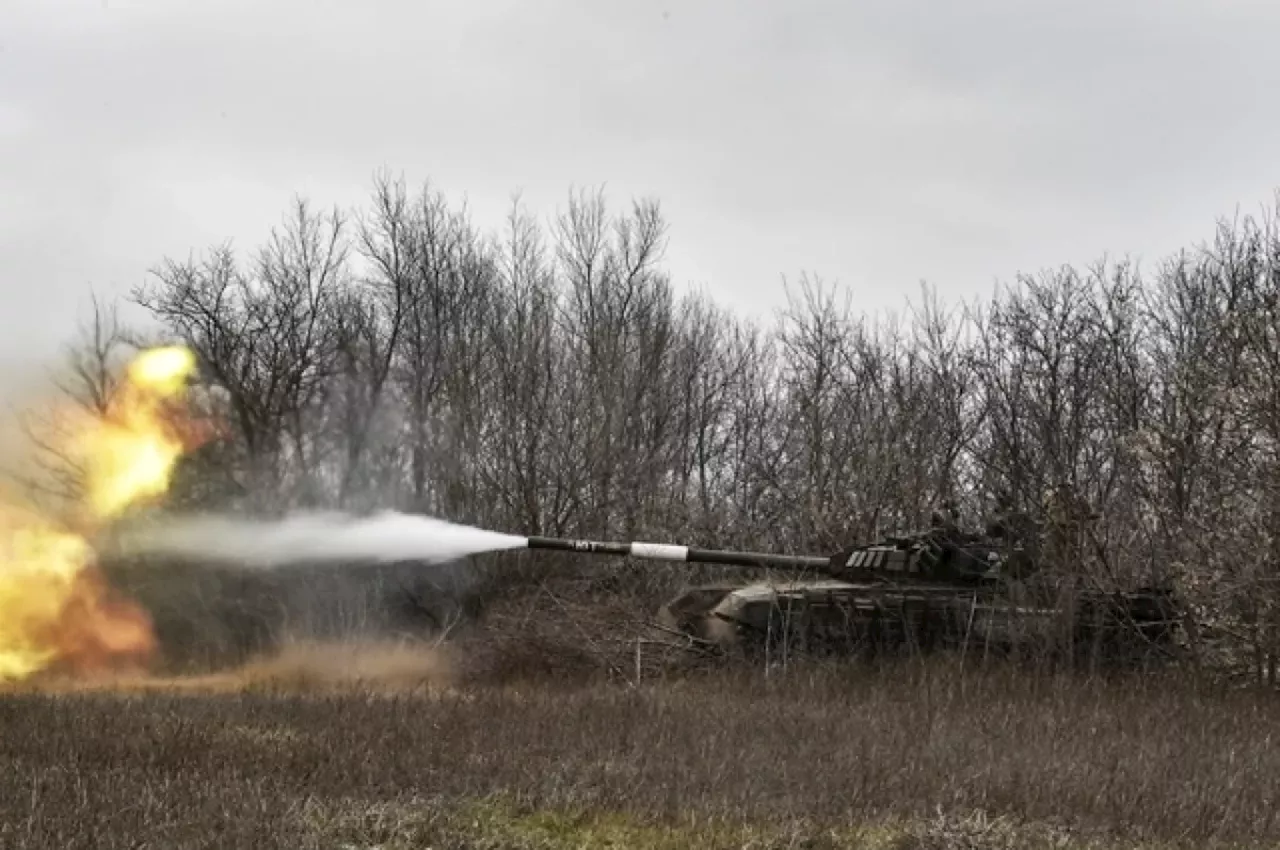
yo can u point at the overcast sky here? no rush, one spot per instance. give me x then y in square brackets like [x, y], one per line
[875, 144]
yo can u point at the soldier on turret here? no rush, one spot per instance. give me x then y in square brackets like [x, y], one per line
[946, 517]
[1067, 516]
[998, 523]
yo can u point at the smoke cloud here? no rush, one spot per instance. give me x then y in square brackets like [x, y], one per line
[314, 537]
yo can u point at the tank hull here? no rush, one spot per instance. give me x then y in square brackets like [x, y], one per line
[840, 618]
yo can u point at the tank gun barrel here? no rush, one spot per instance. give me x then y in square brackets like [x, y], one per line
[686, 554]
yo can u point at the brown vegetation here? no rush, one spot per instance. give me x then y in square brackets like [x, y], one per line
[853, 755]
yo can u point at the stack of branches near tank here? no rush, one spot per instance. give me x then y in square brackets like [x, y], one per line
[541, 617]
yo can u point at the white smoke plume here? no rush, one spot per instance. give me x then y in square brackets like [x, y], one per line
[314, 537]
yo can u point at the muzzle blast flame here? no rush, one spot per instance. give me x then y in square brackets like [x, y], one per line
[56, 610]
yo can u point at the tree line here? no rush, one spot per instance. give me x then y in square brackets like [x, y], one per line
[549, 378]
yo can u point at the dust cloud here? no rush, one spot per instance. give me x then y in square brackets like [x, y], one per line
[304, 667]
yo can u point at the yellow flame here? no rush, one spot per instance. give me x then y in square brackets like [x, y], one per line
[53, 605]
[131, 454]
[38, 567]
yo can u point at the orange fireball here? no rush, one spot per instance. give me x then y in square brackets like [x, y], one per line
[56, 610]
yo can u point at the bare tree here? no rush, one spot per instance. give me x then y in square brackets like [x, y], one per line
[616, 314]
[266, 335]
[84, 385]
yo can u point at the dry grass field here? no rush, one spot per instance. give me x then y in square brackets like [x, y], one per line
[398, 749]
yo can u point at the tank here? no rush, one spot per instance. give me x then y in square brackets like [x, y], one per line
[933, 589]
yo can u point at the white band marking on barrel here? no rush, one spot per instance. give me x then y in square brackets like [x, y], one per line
[660, 551]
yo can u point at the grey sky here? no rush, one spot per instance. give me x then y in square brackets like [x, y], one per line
[873, 143]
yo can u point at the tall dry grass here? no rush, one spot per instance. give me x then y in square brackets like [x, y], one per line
[819, 751]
